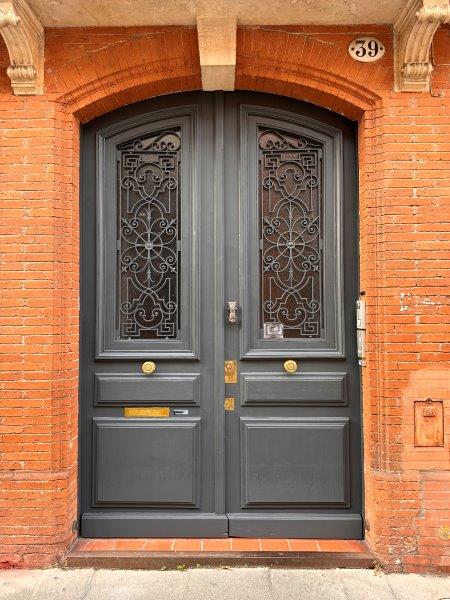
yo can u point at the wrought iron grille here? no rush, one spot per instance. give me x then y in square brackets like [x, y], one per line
[149, 185]
[290, 197]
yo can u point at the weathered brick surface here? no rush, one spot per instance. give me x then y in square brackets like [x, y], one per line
[404, 179]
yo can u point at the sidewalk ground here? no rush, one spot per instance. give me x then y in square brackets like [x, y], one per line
[219, 584]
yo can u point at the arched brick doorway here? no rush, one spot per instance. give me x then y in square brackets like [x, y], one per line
[85, 97]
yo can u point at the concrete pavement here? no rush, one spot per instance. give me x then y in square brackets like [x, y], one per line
[219, 584]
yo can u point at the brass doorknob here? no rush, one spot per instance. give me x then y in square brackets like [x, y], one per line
[290, 366]
[148, 367]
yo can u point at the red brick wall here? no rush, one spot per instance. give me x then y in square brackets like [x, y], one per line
[404, 154]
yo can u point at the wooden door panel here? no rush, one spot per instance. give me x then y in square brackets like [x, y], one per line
[294, 462]
[166, 390]
[300, 389]
[154, 463]
[293, 440]
[190, 202]
[147, 294]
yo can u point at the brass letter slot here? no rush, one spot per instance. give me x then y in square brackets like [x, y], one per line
[147, 411]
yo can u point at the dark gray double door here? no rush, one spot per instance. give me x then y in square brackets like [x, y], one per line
[191, 203]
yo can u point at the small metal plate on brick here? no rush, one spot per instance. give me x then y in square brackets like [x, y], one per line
[428, 423]
[146, 411]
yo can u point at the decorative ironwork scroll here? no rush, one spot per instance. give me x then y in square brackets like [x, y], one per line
[290, 196]
[149, 172]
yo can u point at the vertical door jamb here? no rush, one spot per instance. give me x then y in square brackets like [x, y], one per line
[219, 299]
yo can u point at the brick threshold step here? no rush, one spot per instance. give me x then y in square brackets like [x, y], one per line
[111, 554]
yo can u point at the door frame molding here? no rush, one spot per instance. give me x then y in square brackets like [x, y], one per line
[325, 347]
[189, 346]
[219, 317]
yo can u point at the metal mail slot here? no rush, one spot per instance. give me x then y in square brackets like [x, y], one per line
[146, 411]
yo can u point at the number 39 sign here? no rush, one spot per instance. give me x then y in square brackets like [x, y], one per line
[366, 49]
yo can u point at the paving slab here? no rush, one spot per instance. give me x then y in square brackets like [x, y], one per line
[58, 584]
[307, 584]
[17, 584]
[363, 584]
[410, 587]
[229, 584]
[138, 585]
[219, 584]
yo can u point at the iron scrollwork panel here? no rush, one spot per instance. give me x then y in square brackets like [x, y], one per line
[290, 205]
[149, 228]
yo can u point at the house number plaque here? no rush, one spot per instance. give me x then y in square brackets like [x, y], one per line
[366, 49]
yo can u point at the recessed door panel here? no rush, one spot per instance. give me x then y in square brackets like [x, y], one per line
[300, 389]
[294, 462]
[121, 389]
[147, 462]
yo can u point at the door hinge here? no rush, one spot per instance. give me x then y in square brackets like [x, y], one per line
[230, 371]
[228, 404]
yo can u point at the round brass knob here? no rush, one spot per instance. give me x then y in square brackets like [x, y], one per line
[148, 367]
[290, 366]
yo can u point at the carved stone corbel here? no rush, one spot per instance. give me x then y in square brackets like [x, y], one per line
[24, 38]
[414, 30]
[217, 47]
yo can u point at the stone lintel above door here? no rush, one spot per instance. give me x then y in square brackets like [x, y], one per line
[414, 22]
[217, 48]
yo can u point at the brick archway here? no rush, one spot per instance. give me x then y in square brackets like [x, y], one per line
[156, 77]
